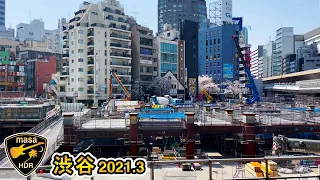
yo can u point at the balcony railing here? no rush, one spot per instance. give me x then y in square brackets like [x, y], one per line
[90, 62]
[90, 43]
[120, 54]
[91, 82]
[71, 27]
[65, 46]
[119, 27]
[90, 53]
[119, 36]
[65, 73]
[119, 45]
[65, 55]
[90, 91]
[64, 28]
[90, 72]
[108, 10]
[65, 64]
[145, 43]
[65, 37]
[117, 63]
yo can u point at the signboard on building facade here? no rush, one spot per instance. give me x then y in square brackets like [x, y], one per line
[238, 21]
[192, 86]
[226, 11]
[228, 71]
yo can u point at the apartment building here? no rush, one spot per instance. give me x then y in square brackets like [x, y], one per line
[144, 55]
[97, 42]
[256, 68]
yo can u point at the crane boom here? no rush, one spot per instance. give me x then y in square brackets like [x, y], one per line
[209, 98]
[122, 86]
[282, 144]
[255, 93]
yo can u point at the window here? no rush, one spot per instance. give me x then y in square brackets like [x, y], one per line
[210, 57]
[105, 43]
[80, 79]
[141, 69]
[210, 41]
[214, 41]
[80, 32]
[71, 33]
[80, 41]
[207, 35]
[72, 52]
[72, 79]
[72, 42]
[80, 89]
[80, 69]
[80, 50]
[105, 34]
[206, 50]
[218, 41]
[210, 49]
[218, 71]
[80, 60]
[72, 89]
[218, 56]
[206, 42]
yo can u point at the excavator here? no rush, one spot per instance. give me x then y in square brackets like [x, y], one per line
[282, 145]
[110, 95]
[209, 97]
[255, 94]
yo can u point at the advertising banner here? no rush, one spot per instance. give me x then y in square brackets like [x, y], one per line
[192, 86]
[228, 71]
[226, 7]
[238, 21]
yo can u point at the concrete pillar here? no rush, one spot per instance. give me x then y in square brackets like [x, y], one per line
[190, 132]
[133, 134]
[68, 129]
[249, 135]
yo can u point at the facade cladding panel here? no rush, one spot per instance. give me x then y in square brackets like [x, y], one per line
[217, 53]
[171, 11]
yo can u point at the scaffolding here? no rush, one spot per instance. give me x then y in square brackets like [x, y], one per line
[215, 12]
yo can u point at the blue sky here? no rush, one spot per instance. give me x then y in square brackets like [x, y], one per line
[264, 16]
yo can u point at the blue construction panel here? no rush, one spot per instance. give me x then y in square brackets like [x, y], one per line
[156, 109]
[176, 115]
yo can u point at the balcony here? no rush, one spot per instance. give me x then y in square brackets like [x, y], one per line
[121, 28]
[119, 36]
[91, 82]
[90, 54]
[118, 45]
[80, 11]
[65, 56]
[65, 64]
[90, 44]
[90, 34]
[90, 92]
[124, 55]
[65, 38]
[65, 47]
[71, 27]
[90, 72]
[108, 10]
[65, 74]
[117, 63]
[90, 62]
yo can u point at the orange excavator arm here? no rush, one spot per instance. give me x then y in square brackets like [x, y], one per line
[122, 86]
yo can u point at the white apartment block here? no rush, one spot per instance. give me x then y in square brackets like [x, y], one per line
[313, 36]
[35, 31]
[96, 42]
[256, 62]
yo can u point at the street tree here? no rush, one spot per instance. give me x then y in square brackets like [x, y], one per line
[137, 91]
[160, 86]
[234, 88]
[206, 83]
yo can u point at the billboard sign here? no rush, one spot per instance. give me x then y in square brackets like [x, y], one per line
[238, 21]
[226, 9]
[228, 71]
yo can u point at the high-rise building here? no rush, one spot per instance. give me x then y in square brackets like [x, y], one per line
[35, 31]
[171, 53]
[2, 12]
[284, 45]
[308, 57]
[171, 11]
[269, 55]
[217, 53]
[62, 25]
[255, 62]
[96, 43]
[313, 36]
[144, 55]
[189, 33]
